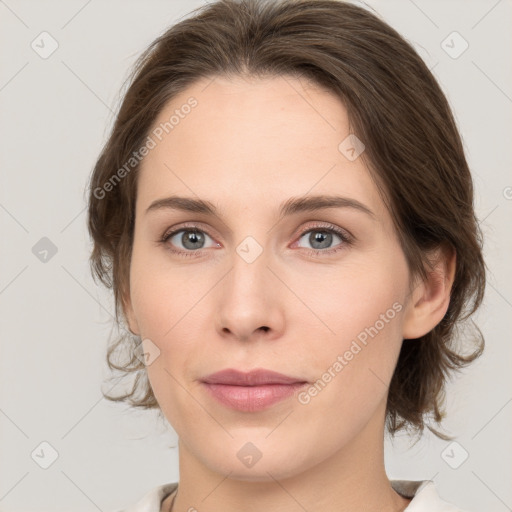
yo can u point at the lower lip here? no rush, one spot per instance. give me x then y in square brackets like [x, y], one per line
[252, 398]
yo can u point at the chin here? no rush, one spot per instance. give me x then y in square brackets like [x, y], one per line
[258, 473]
[265, 465]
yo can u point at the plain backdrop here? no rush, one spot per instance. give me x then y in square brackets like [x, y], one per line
[56, 113]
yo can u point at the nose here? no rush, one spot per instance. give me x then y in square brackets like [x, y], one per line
[250, 300]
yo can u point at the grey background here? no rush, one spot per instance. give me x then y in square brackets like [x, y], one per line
[55, 322]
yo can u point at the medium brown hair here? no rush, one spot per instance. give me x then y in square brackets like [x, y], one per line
[395, 106]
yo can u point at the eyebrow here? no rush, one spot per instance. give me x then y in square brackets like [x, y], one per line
[291, 206]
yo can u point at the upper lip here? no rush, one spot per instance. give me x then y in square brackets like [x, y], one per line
[256, 377]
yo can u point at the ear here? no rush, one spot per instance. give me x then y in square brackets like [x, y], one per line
[430, 298]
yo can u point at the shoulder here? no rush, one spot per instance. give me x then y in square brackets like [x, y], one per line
[150, 502]
[425, 497]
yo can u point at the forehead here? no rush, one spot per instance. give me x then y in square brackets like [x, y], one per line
[277, 137]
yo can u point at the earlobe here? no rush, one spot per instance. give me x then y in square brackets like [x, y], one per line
[430, 298]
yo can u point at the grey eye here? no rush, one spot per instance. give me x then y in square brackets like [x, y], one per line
[190, 239]
[320, 238]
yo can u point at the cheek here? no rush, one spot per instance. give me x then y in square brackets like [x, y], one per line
[356, 301]
[359, 315]
[161, 294]
[364, 314]
[169, 308]
[353, 365]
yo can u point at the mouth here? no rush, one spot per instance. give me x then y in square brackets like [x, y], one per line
[251, 391]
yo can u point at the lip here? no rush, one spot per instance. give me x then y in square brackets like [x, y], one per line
[251, 391]
[257, 377]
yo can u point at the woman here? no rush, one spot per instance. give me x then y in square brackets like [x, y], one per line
[285, 214]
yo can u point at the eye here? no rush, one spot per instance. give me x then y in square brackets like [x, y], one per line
[188, 240]
[321, 239]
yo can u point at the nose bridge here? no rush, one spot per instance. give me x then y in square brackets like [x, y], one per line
[248, 300]
[251, 250]
[249, 274]
[252, 247]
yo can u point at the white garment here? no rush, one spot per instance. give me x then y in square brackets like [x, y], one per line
[423, 493]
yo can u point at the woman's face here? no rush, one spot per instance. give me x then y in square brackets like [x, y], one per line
[254, 289]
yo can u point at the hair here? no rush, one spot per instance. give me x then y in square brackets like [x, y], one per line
[395, 106]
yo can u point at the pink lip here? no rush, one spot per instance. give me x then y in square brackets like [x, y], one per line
[252, 391]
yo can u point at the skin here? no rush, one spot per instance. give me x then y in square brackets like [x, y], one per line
[249, 145]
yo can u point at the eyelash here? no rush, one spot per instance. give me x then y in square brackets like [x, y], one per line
[327, 228]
